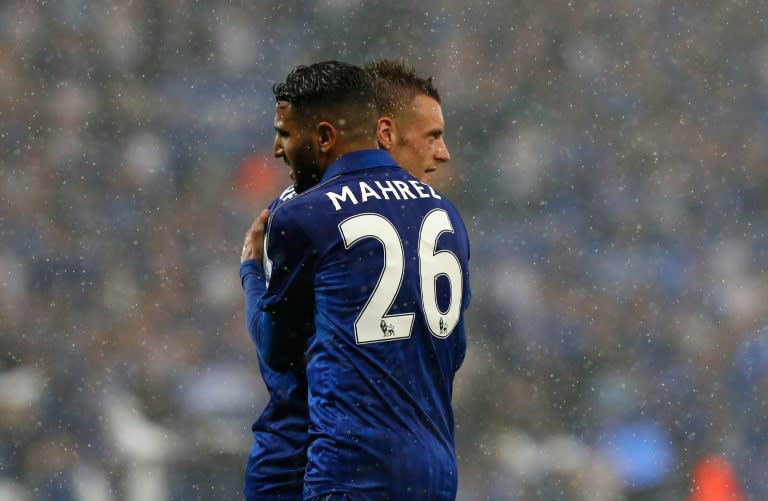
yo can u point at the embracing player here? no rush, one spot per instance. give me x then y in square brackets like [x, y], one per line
[410, 126]
[381, 423]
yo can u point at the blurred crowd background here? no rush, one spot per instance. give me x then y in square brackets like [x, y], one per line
[609, 158]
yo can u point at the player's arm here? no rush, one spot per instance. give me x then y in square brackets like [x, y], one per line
[285, 317]
[254, 286]
[281, 335]
[252, 275]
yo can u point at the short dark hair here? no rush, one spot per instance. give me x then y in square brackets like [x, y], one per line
[326, 84]
[396, 84]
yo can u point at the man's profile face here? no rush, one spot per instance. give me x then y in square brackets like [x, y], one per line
[294, 144]
[419, 146]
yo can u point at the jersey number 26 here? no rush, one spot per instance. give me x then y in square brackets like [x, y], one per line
[373, 324]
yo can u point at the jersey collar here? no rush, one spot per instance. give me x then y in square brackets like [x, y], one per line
[358, 160]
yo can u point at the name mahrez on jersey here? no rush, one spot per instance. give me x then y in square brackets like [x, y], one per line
[387, 190]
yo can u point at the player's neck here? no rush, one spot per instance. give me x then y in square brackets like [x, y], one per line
[349, 147]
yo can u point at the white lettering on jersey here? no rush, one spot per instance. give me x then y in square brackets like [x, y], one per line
[388, 189]
[346, 194]
[404, 190]
[397, 190]
[419, 187]
[366, 192]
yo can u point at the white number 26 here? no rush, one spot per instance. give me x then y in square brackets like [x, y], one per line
[373, 324]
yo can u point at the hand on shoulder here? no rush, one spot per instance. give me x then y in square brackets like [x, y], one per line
[253, 247]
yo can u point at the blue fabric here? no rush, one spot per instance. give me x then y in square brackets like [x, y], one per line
[331, 497]
[275, 467]
[380, 411]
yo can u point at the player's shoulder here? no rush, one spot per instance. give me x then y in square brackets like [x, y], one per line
[450, 207]
[293, 208]
[444, 201]
[290, 200]
[286, 195]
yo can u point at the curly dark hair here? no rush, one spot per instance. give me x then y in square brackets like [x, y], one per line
[325, 84]
[396, 84]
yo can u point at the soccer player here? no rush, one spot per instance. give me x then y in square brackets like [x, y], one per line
[275, 467]
[379, 261]
[410, 127]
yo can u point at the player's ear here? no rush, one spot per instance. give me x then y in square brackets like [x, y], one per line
[385, 133]
[326, 134]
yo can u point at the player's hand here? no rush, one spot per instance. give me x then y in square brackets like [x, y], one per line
[253, 248]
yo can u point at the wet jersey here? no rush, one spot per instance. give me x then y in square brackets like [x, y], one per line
[275, 468]
[380, 259]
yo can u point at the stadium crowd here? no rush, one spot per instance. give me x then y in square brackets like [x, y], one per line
[609, 159]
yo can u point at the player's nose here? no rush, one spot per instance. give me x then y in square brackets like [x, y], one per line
[442, 154]
[277, 148]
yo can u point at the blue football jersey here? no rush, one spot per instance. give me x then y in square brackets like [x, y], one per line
[385, 258]
[275, 468]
